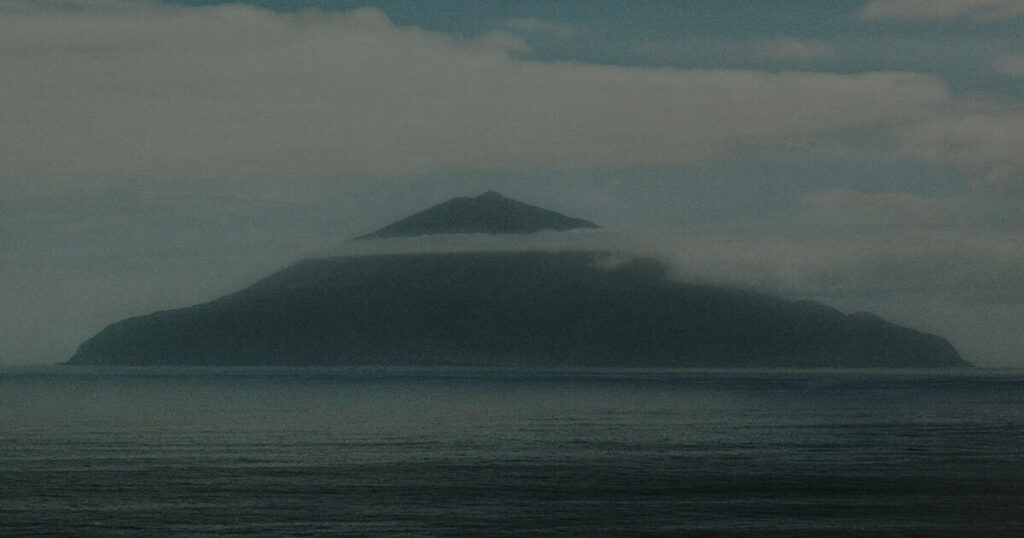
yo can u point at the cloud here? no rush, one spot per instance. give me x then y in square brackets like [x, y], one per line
[532, 25]
[981, 10]
[881, 210]
[987, 145]
[26, 6]
[846, 244]
[957, 267]
[1011, 65]
[789, 48]
[499, 42]
[139, 92]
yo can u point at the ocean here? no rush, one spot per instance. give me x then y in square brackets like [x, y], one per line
[504, 452]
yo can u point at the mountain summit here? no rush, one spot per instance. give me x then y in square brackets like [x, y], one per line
[489, 213]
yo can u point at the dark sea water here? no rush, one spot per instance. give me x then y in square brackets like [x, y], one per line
[439, 452]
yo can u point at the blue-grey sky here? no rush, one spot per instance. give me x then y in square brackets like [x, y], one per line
[867, 154]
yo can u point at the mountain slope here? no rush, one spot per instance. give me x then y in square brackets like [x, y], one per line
[506, 308]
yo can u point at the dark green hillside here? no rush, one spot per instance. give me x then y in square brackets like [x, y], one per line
[506, 308]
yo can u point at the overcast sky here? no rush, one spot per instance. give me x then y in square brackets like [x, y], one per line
[867, 154]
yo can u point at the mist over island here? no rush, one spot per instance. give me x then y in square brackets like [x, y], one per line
[556, 306]
[532, 268]
[864, 154]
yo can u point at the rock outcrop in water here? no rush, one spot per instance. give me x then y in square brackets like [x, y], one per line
[505, 308]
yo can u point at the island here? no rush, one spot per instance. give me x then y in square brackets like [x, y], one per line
[506, 308]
